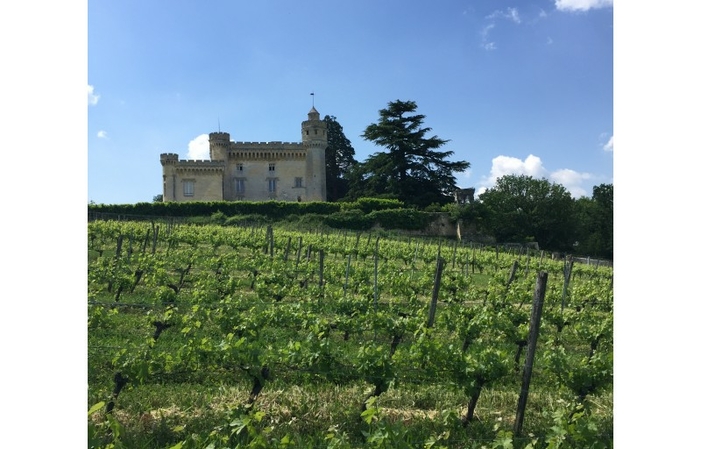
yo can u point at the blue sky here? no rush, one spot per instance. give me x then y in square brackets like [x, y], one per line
[516, 87]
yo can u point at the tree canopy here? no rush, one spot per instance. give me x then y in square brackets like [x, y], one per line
[340, 159]
[411, 169]
[521, 208]
[595, 217]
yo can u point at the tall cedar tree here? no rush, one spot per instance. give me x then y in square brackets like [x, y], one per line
[339, 160]
[411, 170]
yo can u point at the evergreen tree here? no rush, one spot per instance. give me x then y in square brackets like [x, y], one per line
[340, 159]
[411, 169]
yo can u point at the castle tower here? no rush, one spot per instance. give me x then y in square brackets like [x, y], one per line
[169, 161]
[219, 144]
[315, 141]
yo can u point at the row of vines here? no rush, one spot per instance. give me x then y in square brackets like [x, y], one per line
[276, 312]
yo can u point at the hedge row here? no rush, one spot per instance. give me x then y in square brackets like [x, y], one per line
[355, 219]
[270, 209]
[362, 214]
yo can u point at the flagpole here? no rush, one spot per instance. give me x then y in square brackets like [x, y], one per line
[312, 94]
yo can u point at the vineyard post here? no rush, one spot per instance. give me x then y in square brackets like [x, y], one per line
[287, 249]
[299, 251]
[567, 269]
[268, 232]
[455, 248]
[271, 241]
[146, 240]
[345, 285]
[117, 253]
[130, 248]
[155, 239]
[536, 312]
[321, 269]
[512, 275]
[377, 245]
[436, 288]
[474, 258]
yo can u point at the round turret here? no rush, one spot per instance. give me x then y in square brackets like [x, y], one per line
[314, 129]
[315, 141]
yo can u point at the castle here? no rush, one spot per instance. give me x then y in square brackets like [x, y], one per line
[252, 171]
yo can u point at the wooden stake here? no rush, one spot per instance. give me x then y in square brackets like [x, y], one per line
[536, 312]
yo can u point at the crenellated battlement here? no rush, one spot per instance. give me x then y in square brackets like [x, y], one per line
[219, 137]
[200, 163]
[265, 145]
[169, 158]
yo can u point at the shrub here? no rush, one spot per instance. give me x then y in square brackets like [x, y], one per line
[408, 219]
[353, 219]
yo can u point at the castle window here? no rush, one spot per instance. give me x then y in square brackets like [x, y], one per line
[239, 167]
[298, 182]
[271, 167]
[188, 187]
[240, 186]
[272, 185]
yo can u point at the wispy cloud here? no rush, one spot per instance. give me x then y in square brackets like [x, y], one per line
[198, 148]
[533, 166]
[93, 98]
[509, 14]
[608, 146]
[102, 134]
[582, 5]
[486, 43]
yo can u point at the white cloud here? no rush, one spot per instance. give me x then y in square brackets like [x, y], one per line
[582, 5]
[609, 145]
[198, 148]
[533, 166]
[93, 98]
[571, 180]
[506, 165]
[510, 14]
[102, 134]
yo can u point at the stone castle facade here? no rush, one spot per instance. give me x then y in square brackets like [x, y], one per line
[252, 171]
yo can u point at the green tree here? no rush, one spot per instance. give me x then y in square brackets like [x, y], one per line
[411, 170]
[595, 217]
[520, 208]
[340, 158]
[603, 196]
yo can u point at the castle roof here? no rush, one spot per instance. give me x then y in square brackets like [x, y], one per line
[313, 114]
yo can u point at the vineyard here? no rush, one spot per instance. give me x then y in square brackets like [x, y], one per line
[220, 337]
